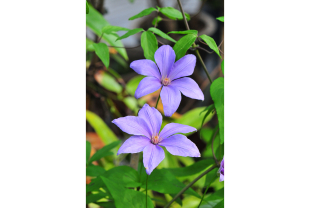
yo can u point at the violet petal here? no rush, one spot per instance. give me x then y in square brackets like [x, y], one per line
[152, 156]
[183, 67]
[188, 87]
[146, 67]
[173, 128]
[146, 86]
[152, 117]
[164, 57]
[134, 144]
[133, 125]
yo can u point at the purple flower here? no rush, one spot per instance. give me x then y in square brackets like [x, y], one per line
[221, 170]
[170, 76]
[145, 127]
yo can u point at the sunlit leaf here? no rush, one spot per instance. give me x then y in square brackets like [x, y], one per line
[221, 18]
[130, 32]
[149, 45]
[102, 51]
[173, 13]
[104, 132]
[161, 34]
[144, 12]
[183, 45]
[158, 19]
[211, 43]
[217, 94]
[89, 45]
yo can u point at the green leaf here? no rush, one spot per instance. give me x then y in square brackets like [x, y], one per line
[87, 8]
[131, 103]
[192, 169]
[192, 118]
[102, 51]
[149, 45]
[111, 29]
[163, 181]
[211, 176]
[158, 19]
[104, 151]
[211, 43]
[124, 175]
[221, 18]
[144, 12]
[173, 13]
[91, 198]
[183, 45]
[213, 200]
[130, 32]
[89, 45]
[209, 109]
[104, 132]
[88, 149]
[195, 32]
[161, 34]
[124, 197]
[133, 84]
[222, 66]
[217, 94]
[95, 21]
[94, 185]
[94, 170]
[108, 82]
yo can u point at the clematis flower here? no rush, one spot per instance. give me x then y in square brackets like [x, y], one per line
[147, 137]
[170, 76]
[221, 170]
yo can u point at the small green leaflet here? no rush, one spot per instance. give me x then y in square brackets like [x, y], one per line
[143, 13]
[211, 43]
[130, 32]
[173, 13]
[158, 19]
[184, 32]
[183, 45]
[149, 45]
[110, 29]
[161, 34]
[217, 94]
[102, 51]
[221, 18]
[222, 66]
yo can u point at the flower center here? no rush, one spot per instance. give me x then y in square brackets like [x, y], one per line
[155, 139]
[166, 81]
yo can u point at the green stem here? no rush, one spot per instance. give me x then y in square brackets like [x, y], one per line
[190, 184]
[194, 45]
[147, 176]
[158, 99]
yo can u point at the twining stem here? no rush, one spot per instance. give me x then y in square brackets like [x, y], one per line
[190, 184]
[147, 176]
[194, 45]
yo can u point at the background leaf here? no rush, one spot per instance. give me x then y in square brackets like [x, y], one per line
[222, 66]
[87, 8]
[184, 32]
[111, 29]
[104, 132]
[192, 169]
[211, 43]
[95, 21]
[217, 94]
[130, 32]
[183, 45]
[94, 170]
[105, 151]
[108, 81]
[88, 149]
[161, 34]
[158, 19]
[133, 84]
[102, 51]
[144, 12]
[149, 45]
[173, 13]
